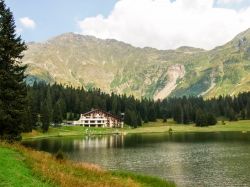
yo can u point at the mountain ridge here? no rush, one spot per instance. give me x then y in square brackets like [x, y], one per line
[112, 65]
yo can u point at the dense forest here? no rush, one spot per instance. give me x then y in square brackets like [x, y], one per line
[24, 107]
[56, 103]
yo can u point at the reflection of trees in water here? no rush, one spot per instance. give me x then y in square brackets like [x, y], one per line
[133, 140]
[90, 142]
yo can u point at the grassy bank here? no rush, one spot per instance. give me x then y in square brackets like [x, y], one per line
[153, 127]
[69, 131]
[15, 172]
[21, 166]
[235, 126]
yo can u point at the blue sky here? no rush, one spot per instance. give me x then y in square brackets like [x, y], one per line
[53, 17]
[162, 24]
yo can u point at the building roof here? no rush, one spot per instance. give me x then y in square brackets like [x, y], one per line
[107, 113]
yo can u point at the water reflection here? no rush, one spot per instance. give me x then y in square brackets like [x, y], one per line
[189, 159]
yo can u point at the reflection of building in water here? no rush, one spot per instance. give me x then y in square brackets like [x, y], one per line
[99, 118]
[100, 142]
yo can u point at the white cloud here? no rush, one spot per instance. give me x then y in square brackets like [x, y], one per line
[223, 2]
[166, 25]
[28, 22]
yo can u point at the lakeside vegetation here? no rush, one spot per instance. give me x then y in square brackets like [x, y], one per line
[21, 166]
[24, 108]
[152, 127]
[53, 104]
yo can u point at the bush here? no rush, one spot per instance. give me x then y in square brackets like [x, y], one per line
[60, 155]
[204, 119]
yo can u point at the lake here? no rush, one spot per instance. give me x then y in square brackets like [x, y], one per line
[188, 159]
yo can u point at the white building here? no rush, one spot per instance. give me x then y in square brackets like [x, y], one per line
[99, 118]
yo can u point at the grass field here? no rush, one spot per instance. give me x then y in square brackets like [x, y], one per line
[14, 172]
[240, 126]
[152, 127]
[23, 167]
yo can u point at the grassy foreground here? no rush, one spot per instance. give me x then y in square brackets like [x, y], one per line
[153, 127]
[22, 166]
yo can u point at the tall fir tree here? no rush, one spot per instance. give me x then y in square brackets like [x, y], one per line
[57, 113]
[248, 110]
[45, 116]
[12, 87]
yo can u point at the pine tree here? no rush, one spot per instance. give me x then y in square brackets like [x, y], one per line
[139, 120]
[57, 113]
[152, 114]
[12, 87]
[248, 110]
[200, 118]
[45, 116]
[211, 119]
[49, 104]
[178, 114]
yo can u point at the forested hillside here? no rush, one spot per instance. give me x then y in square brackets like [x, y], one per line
[113, 66]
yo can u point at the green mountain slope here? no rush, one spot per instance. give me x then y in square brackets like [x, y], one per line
[86, 61]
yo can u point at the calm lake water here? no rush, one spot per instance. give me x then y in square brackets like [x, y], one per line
[188, 159]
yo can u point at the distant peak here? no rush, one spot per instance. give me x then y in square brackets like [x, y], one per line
[244, 35]
[72, 36]
[189, 49]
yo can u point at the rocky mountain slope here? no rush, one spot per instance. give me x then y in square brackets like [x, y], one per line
[111, 65]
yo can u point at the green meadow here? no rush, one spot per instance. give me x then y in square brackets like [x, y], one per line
[23, 167]
[152, 127]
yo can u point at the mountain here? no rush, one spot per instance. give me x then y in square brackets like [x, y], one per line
[78, 60]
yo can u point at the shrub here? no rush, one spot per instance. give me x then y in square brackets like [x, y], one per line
[60, 155]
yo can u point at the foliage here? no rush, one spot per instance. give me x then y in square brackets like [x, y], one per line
[13, 111]
[15, 172]
[66, 103]
[59, 155]
[34, 163]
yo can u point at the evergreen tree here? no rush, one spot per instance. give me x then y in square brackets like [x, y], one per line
[12, 87]
[248, 110]
[57, 113]
[45, 116]
[200, 118]
[151, 113]
[231, 114]
[139, 120]
[178, 114]
[243, 114]
[28, 121]
[211, 119]
[49, 104]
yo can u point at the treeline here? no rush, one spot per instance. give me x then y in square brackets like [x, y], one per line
[55, 103]
[206, 112]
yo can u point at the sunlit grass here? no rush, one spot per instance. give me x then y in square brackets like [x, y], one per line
[14, 172]
[164, 127]
[27, 167]
[152, 127]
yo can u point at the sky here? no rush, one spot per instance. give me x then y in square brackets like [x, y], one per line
[161, 24]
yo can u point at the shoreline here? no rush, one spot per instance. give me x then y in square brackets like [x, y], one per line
[45, 169]
[155, 127]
